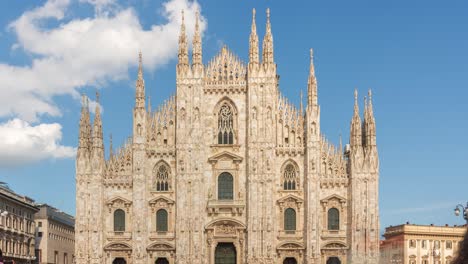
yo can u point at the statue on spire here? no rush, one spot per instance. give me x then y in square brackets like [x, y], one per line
[268, 55]
[253, 42]
[140, 85]
[197, 44]
[312, 94]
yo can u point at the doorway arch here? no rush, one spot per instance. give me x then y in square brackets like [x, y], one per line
[119, 261]
[290, 261]
[225, 253]
[162, 261]
[333, 260]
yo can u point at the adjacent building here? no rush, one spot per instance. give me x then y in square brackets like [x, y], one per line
[228, 171]
[421, 244]
[16, 226]
[55, 236]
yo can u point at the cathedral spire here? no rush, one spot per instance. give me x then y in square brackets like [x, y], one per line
[97, 128]
[312, 97]
[111, 147]
[140, 86]
[356, 130]
[183, 46]
[369, 122]
[267, 55]
[197, 44]
[84, 135]
[301, 105]
[253, 42]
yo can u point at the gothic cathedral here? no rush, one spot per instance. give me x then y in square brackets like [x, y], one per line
[228, 171]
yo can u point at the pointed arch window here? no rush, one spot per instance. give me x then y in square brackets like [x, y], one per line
[290, 178]
[333, 219]
[289, 220]
[119, 220]
[162, 178]
[161, 220]
[225, 186]
[226, 125]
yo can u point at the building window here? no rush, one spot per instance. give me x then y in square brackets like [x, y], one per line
[65, 258]
[56, 260]
[119, 220]
[161, 220]
[39, 224]
[225, 186]
[448, 244]
[289, 220]
[39, 234]
[333, 219]
[289, 177]
[162, 178]
[225, 125]
[423, 243]
[436, 244]
[412, 243]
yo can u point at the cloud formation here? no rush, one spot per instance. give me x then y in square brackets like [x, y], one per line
[22, 143]
[76, 53]
[83, 52]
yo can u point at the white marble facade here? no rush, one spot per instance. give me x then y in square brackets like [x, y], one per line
[228, 171]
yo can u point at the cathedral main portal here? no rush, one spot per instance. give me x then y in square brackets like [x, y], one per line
[225, 254]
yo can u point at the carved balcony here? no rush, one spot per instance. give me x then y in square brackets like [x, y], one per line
[233, 207]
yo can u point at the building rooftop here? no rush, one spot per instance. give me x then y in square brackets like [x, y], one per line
[8, 193]
[52, 213]
[425, 229]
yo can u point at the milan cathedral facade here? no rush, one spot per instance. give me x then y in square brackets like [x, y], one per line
[228, 171]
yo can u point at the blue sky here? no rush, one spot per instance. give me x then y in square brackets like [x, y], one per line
[413, 54]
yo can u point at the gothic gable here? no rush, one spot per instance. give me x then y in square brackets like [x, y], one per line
[160, 246]
[225, 68]
[334, 197]
[290, 245]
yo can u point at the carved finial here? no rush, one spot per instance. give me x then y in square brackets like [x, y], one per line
[197, 45]
[370, 96]
[341, 144]
[268, 56]
[149, 104]
[268, 14]
[97, 97]
[197, 18]
[302, 107]
[111, 146]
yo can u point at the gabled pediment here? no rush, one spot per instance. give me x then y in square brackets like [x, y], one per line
[160, 246]
[119, 200]
[290, 245]
[290, 198]
[117, 247]
[161, 199]
[340, 199]
[225, 155]
[335, 245]
[225, 68]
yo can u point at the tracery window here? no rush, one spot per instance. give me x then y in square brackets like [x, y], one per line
[333, 219]
[225, 125]
[225, 186]
[289, 177]
[161, 220]
[162, 178]
[119, 220]
[289, 220]
[412, 243]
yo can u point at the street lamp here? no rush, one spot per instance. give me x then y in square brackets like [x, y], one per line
[459, 208]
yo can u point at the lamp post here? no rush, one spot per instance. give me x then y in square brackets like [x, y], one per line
[460, 208]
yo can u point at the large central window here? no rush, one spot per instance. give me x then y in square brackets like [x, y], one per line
[225, 125]
[225, 186]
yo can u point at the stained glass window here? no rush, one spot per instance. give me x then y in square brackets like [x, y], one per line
[225, 125]
[162, 178]
[289, 178]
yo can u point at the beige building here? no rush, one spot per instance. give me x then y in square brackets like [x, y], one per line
[55, 236]
[16, 226]
[421, 244]
[228, 171]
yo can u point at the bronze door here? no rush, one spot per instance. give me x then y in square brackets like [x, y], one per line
[225, 254]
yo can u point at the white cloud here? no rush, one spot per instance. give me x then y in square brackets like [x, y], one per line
[22, 143]
[83, 52]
